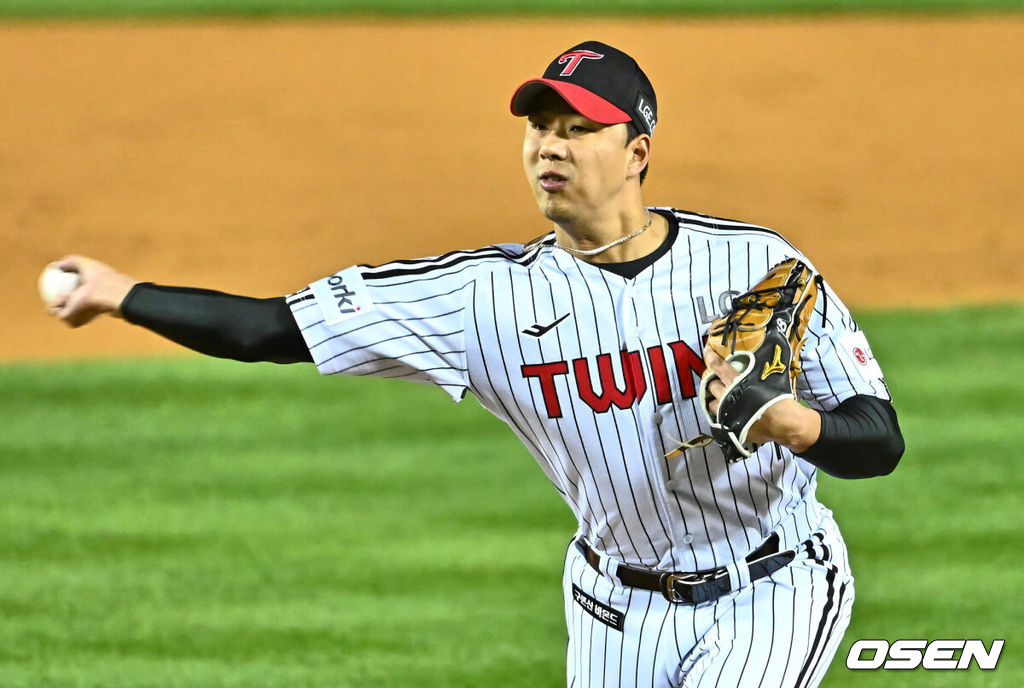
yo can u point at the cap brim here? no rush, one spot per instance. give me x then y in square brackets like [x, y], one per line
[588, 104]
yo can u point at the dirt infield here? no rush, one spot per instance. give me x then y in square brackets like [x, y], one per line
[255, 157]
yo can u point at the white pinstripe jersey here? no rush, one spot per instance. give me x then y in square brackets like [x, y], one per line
[600, 397]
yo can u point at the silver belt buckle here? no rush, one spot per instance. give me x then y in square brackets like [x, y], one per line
[668, 585]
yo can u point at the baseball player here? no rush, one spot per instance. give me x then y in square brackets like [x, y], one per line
[685, 570]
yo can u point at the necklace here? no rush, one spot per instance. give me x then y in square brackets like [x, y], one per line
[601, 249]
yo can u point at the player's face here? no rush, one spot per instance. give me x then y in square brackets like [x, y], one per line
[576, 167]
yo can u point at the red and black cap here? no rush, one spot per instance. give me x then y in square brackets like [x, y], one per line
[599, 82]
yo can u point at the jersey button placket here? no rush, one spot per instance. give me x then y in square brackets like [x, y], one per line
[675, 486]
[647, 406]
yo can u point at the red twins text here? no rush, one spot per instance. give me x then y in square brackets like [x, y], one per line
[688, 367]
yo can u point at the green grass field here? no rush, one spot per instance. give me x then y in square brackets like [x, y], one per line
[477, 7]
[202, 523]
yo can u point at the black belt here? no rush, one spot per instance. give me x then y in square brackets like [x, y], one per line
[700, 586]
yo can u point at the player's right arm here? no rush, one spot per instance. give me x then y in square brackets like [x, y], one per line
[210, 322]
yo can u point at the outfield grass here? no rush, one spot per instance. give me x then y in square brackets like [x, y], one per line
[936, 546]
[206, 523]
[478, 7]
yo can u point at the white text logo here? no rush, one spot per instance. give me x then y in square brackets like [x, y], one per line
[933, 655]
[647, 112]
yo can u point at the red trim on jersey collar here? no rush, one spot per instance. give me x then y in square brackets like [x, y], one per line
[588, 104]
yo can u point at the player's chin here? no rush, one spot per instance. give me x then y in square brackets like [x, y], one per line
[556, 207]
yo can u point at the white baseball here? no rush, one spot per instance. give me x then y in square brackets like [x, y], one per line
[55, 284]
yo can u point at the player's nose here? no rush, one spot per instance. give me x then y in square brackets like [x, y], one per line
[553, 148]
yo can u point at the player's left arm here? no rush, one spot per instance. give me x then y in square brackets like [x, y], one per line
[859, 438]
[851, 429]
[841, 381]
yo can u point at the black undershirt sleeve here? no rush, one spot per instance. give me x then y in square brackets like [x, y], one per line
[860, 438]
[218, 324]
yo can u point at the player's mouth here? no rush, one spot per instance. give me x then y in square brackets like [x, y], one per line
[552, 181]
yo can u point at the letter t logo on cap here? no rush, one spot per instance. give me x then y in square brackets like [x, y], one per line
[574, 57]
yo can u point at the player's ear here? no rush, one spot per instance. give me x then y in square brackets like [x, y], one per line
[639, 150]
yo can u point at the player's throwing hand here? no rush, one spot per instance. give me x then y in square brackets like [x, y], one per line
[101, 290]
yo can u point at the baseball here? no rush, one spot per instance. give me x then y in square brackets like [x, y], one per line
[55, 284]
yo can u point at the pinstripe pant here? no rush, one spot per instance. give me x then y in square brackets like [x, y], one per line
[781, 631]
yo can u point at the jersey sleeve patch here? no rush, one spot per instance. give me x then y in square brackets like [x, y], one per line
[856, 345]
[342, 296]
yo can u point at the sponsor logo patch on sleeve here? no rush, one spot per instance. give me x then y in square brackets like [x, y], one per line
[856, 345]
[342, 296]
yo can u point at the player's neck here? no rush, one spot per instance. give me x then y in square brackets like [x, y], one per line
[597, 232]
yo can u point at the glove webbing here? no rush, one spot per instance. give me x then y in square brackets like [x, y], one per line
[751, 301]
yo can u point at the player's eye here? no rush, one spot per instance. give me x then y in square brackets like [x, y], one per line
[579, 128]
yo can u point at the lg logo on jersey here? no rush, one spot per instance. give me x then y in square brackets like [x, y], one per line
[937, 655]
[724, 304]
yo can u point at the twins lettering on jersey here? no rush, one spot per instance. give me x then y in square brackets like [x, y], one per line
[687, 363]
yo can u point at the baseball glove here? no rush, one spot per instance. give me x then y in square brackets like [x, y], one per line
[760, 338]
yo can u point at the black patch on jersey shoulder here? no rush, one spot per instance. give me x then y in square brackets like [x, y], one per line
[612, 618]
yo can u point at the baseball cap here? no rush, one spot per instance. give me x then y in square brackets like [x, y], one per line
[598, 81]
